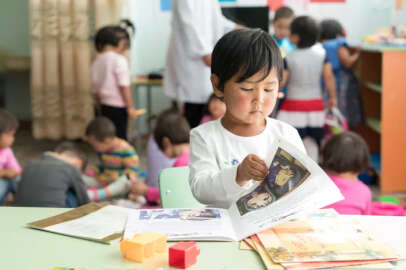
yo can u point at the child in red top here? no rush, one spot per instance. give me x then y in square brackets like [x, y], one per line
[172, 136]
[345, 155]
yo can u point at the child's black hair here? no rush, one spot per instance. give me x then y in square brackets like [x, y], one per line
[330, 29]
[307, 30]
[173, 125]
[101, 128]
[283, 13]
[72, 149]
[112, 34]
[7, 122]
[245, 52]
[345, 152]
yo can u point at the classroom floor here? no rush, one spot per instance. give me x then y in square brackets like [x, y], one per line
[27, 148]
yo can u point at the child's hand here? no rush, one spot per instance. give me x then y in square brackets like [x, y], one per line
[9, 174]
[252, 167]
[332, 102]
[138, 187]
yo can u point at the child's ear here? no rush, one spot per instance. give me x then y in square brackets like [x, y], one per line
[294, 39]
[215, 83]
[166, 143]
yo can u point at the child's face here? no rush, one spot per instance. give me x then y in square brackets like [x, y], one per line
[217, 108]
[249, 102]
[99, 146]
[7, 139]
[122, 47]
[282, 27]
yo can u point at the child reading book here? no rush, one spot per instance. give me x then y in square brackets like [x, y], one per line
[231, 155]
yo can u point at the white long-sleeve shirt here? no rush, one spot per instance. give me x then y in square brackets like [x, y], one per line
[215, 154]
[196, 27]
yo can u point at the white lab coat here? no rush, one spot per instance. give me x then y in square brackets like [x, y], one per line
[196, 27]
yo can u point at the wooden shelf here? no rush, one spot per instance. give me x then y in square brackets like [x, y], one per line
[373, 86]
[374, 123]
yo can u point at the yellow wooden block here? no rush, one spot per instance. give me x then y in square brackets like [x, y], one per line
[143, 246]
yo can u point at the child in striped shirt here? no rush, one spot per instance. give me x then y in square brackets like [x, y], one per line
[119, 161]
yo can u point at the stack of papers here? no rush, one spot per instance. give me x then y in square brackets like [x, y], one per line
[321, 239]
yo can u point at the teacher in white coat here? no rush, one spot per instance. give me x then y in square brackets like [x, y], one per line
[196, 27]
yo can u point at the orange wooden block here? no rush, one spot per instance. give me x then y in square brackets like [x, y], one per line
[143, 246]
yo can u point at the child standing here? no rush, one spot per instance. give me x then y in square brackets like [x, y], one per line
[119, 161]
[54, 179]
[172, 136]
[230, 155]
[345, 155]
[338, 54]
[303, 107]
[9, 167]
[281, 25]
[215, 109]
[110, 77]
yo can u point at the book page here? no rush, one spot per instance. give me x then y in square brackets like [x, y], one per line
[295, 184]
[107, 221]
[182, 224]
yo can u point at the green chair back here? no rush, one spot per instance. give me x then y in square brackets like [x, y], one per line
[175, 190]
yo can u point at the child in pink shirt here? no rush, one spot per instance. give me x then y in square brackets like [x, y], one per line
[216, 108]
[172, 136]
[344, 156]
[110, 76]
[10, 170]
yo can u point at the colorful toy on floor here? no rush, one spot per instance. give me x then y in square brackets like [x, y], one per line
[183, 254]
[143, 246]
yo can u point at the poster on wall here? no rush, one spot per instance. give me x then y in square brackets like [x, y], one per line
[165, 5]
[275, 4]
[328, 1]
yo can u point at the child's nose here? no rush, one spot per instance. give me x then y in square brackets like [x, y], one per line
[259, 95]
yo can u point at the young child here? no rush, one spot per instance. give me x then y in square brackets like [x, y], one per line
[119, 161]
[303, 107]
[110, 77]
[344, 156]
[54, 179]
[9, 167]
[172, 136]
[215, 109]
[281, 25]
[230, 155]
[338, 54]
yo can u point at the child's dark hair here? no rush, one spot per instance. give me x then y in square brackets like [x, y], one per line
[307, 29]
[101, 128]
[72, 149]
[345, 152]
[245, 52]
[330, 29]
[112, 34]
[7, 122]
[173, 125]
[283, 13]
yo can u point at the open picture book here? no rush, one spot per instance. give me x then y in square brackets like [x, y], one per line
[295, 185]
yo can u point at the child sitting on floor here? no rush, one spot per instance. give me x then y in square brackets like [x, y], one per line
[119, 161]
[9, 167]
[172, 136]
[344, 156]
[54, 179]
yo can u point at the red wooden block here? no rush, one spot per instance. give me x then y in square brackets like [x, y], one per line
[183, 254]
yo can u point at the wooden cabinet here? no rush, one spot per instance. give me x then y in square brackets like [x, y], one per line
[382, 76]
